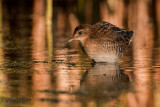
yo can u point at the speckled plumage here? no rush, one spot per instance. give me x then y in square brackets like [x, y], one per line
[103, 42]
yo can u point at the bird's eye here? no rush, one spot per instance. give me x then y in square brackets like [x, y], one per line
[79, 33]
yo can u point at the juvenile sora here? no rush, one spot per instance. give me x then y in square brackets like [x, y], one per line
[102, 42]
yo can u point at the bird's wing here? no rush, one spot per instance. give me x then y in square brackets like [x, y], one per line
[106, 31]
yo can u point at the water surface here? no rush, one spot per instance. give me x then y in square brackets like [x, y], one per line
[38, 67]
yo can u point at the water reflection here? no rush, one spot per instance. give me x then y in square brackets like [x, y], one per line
[104, 82]
[143, 59]
[101, 83]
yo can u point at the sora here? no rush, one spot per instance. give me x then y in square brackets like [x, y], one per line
[102, 42]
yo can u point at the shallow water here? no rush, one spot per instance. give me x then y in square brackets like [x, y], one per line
[69, 78]
[37, 72]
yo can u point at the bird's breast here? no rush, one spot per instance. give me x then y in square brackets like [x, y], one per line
[101, 52]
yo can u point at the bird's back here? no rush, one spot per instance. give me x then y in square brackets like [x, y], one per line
[108, 31]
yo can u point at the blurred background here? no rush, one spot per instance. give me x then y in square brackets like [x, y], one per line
[38, 67]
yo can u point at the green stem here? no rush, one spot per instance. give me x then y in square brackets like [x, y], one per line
[49, 27]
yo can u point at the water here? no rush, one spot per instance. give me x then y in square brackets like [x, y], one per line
[38, 67]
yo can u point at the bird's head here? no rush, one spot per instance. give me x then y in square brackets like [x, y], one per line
[81, 33]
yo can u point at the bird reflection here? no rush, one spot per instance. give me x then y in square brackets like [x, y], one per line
[104, 82]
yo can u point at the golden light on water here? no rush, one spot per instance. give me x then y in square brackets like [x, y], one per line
[38, 63]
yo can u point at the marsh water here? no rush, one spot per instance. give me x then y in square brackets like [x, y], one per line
[39, 68]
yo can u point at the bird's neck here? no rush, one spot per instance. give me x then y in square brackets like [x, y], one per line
[83, 41]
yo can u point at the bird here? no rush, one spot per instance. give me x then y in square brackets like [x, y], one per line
[102, 41]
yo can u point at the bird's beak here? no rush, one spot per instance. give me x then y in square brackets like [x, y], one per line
[70, 40]
[73, 38]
